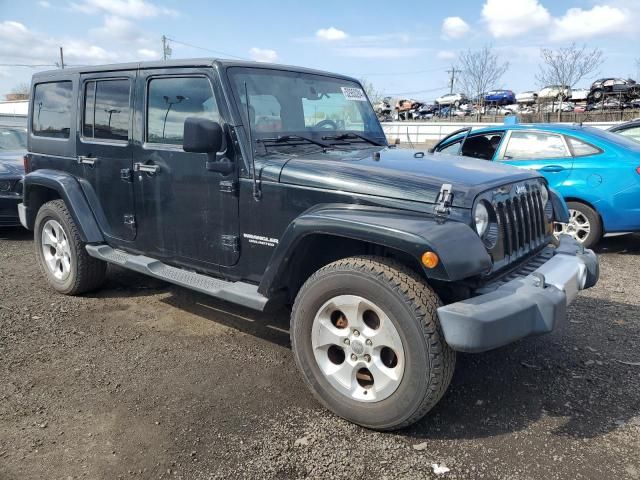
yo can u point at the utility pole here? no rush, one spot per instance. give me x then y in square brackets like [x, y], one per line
[61, 58]
[452, 77]
[164, 47]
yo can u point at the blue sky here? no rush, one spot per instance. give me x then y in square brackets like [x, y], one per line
[402, 47]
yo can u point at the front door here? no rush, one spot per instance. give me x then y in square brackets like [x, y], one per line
[105, 151]
[185, 213]
[545, 152]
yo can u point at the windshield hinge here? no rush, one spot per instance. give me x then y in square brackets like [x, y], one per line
[444, 200]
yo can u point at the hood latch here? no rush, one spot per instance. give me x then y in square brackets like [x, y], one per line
[444, 200]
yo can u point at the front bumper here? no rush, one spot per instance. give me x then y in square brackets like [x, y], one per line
[532, 303]
[9, 210]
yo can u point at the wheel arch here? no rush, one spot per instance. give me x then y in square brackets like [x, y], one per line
[43, 186]
[332, 232]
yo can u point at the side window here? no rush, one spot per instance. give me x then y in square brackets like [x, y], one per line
[580, 148]
[106, 110]
[633, 133]
[51, 115]
[535, 145]
[171, 100]
[451, 149]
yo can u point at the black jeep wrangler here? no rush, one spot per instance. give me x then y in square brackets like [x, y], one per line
[261, 185]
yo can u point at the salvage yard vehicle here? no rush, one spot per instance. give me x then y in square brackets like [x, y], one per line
[554, 92]
[597, 172]
[625, 89]
[392, 260]
[452, 99]
[13, 147]
[527, 97]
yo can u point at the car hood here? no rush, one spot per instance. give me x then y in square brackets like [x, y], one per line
[11, 162]
[400, 173]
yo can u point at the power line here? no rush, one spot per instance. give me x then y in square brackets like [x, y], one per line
[217, 52]
[452, 79]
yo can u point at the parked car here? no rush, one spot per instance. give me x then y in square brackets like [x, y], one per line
[527, 97]
[500, 97]
[598, 172]
[391, 261]
[13, 147]
[557, 92]
[626, 89]
[557, 107]
[383, 106]
[455, 99]
[628, 129]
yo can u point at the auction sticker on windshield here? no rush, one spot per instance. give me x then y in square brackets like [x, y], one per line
[353, 93]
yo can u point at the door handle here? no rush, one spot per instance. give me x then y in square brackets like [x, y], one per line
[143, 167]
[552, 168]
[91, 161]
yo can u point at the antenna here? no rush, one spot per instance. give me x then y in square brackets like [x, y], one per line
[256, 191]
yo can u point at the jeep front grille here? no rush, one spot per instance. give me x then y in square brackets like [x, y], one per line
[521, 222]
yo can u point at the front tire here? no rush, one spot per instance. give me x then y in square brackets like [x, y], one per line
[366, 338]
[61, 252]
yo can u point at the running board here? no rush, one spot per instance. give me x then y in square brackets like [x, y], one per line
[236, 292]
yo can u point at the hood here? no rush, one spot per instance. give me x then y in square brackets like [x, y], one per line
[11, 162]
[400, 173]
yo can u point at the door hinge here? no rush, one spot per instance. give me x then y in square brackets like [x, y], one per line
[130, 221]
[126, 174]
[231, 242]
[444, 199]
[228, 186]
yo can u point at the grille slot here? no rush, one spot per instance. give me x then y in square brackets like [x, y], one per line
[521, 222]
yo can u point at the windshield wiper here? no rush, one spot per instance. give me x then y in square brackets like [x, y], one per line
[291, 138]
[351, 135]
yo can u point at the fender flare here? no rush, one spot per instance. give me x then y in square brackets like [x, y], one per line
[68, 189]
[559, 207]
[462, 254]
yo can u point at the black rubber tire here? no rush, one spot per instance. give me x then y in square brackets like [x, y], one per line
[411, 305]
[597, 95]
[595, 233]
[87, 273]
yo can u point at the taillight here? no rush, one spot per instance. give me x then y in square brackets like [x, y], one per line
[638, 170]
[26, 160]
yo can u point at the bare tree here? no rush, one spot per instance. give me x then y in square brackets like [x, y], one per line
[371, 91]
[19, 92]
[481, 70]
[566, 66]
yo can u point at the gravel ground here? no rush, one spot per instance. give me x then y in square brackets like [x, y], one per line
[147, 380]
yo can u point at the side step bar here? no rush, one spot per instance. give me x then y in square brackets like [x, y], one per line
[236, 292]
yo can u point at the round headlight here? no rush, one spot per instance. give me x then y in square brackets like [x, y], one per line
[481, 218]
[544, 193]
[5, 185]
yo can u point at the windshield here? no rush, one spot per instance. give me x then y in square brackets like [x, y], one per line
[283, 103]
[13, 138]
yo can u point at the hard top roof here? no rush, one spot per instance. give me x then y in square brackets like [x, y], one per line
[188, 62]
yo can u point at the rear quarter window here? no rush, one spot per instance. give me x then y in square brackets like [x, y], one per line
[51, 115]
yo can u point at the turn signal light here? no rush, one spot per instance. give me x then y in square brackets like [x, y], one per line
[430, 259]
[26, 161]
[638, 170]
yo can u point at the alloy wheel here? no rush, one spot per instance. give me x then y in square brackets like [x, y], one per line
[56, 250]
[578, 227]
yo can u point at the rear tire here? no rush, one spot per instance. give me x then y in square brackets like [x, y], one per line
[61, 252]
[407, 329]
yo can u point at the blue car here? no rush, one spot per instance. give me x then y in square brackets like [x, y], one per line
[597, 172]
[500, 97]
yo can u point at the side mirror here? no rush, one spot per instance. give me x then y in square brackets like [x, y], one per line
[202, 135]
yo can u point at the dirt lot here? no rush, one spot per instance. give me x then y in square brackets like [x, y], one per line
[147, 380]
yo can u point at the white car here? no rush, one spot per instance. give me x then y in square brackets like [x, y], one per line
[452, 99]
[554, 92]
[527, 97]
[579, 94]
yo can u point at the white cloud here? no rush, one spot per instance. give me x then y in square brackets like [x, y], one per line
[44, 4]
[148, 54]
[600, 20]
[446, 55]
[510, 18]
[263, 54]
[454, 27]
[378, 52]
[122, 8]
[331, 34]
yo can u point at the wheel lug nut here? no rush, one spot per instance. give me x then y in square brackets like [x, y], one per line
[353, 357]
[356, 333]
[346, 341]
[367, 358]
[369, 342]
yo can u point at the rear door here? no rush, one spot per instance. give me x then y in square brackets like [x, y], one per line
[545, 152]
[105, 151]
